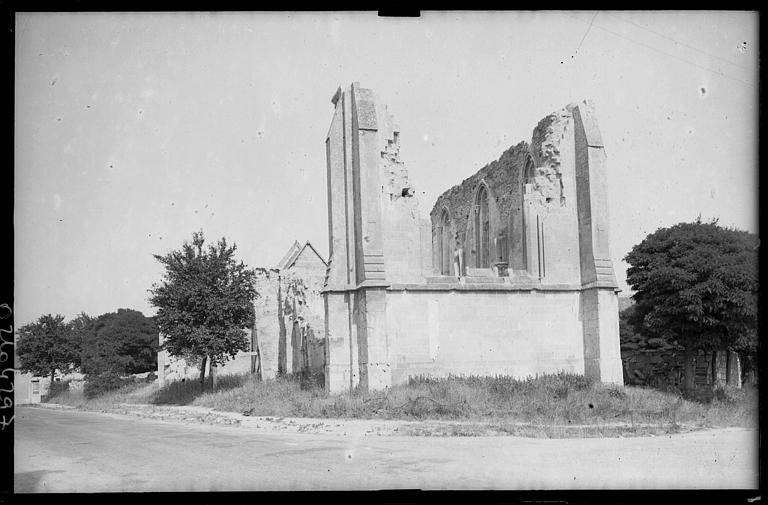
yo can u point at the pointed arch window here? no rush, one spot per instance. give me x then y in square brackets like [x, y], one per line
[482, 230]
[533, 226]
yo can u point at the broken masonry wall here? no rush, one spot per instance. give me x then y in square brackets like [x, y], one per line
[385, 321]
[557, 232]
[547, 149]
[267, 327]
[303, 316]
[554, 194]
[379, 220]
[551, 231]
[503, 178]
[401, 225]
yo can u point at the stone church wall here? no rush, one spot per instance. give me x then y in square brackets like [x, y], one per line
[536, 291]
[483, 333]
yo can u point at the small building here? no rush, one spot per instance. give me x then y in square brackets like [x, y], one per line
[27, 388]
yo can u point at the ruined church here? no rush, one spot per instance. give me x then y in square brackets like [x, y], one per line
[511, 275]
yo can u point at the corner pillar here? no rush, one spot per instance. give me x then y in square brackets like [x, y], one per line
[340, 343]
[600, 321]
[373, 345]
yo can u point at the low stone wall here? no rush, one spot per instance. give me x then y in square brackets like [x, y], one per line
[671, 369]
[654, 368]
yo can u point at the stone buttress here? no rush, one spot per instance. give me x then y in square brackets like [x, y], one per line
[376, 238]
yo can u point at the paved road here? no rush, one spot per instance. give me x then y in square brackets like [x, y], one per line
[70, 451]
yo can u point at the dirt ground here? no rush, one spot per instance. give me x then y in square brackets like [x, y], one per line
[62, 450]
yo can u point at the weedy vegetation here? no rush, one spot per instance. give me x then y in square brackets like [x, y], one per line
[558, 405]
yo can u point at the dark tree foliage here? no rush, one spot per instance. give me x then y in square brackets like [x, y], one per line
[122, 342]
[631, 338]
[80, 326]
[696, 285]
[47, 345]
[101, 383]
[204, 302]
[627, 331]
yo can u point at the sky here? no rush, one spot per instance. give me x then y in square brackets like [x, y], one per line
[134, 130]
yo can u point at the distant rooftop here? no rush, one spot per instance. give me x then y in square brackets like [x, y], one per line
[293, 254]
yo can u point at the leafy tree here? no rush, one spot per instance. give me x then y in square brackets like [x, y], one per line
[696, 285]
[80, 326]
[204, 302]
[47, 345]
[631, 338]
[121, 342]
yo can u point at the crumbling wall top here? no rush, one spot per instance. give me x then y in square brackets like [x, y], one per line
[503, 177]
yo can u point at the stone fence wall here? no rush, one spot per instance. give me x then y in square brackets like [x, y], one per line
[672, 368]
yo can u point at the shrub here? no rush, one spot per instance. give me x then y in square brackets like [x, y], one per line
[97, 385]
[57, 388]
[729, 394]
[311, 381]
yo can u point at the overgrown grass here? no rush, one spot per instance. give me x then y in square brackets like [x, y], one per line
[550, 400]
[139, 392]
[553, 402]
[185, 393]
[56, 388]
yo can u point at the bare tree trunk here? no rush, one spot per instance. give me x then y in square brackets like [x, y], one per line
[202, 372]
[214, 378]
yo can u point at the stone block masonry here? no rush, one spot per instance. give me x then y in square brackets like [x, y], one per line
[514, 277]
